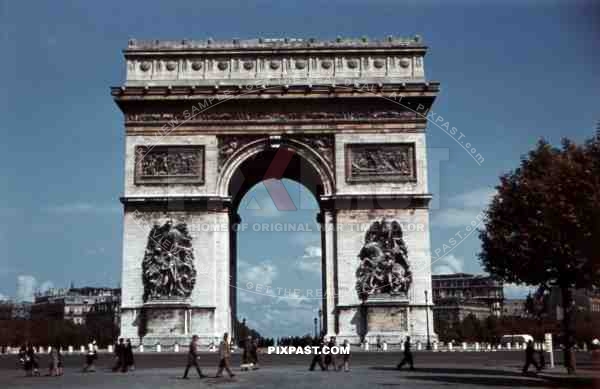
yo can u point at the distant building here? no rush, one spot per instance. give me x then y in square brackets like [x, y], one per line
[6, 309]
[12, 310]
[585, 301]
[77, 304]
[455, 296]
[454, 311]
[22, 310]
[514, 308]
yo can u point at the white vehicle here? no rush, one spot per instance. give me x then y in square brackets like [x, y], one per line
[515, 339]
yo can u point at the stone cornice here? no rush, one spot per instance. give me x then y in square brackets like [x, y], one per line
[270, 44]
[375, 201]
[218, 90]
[335, 202]
[176, 203]
[151, 62]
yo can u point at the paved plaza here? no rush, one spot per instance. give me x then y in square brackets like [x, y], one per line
[447, 370]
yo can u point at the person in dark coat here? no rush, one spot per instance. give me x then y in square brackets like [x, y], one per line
[128, 357]
[192, 359]
[119, 354]
[317, 357]
[24, 359]
[408, 357]
[331, 359]
[31, 358]
[529, 359]
[254, 353]
[246, 353]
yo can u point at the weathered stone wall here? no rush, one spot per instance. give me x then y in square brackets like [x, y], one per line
[210, 241]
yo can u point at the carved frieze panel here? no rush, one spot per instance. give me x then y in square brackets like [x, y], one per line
[380, 162]
[272, 116]
[169, 165]
[322, 144]
[229, 144]
[384, 319]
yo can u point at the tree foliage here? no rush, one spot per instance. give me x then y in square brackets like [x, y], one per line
[543, 226]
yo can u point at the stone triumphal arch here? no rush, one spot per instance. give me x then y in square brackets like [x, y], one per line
[207, 120]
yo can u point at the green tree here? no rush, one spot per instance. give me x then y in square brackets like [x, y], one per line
[543, 225]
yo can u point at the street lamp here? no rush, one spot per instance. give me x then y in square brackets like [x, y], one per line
[316, 334]
[320, 323]
[427, 321]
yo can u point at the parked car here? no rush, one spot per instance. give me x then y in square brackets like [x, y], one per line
[515, 339]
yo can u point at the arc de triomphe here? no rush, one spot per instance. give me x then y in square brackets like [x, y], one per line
[206, 120]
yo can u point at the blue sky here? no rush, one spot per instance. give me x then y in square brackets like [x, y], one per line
[511, 72]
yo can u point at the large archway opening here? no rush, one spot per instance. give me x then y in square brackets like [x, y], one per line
[276, 245]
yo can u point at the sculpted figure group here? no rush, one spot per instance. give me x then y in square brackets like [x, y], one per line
[384, 267]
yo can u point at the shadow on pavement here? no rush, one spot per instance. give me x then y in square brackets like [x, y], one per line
[442, 370]
[489, 377]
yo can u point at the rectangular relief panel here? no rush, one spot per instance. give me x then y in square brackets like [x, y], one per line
[380, 162]
[384, 319]
[169, 165]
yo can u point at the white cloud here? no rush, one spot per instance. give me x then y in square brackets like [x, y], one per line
[515, 291]
[263, 273]
[310, 261]
[4, 297]
[25, 288]
[277, 316]
[82, 207]
[308, 266]
[45, 286]
[312, 252]
[463, 208]
[448, 265]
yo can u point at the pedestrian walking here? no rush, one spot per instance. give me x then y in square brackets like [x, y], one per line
[408, 357]
[22, 356]
[317, 357]
[119, 356]
[192, 358]
[254, 353]
[55, 362]
[345, 363]
[224, 356]
[330, 358]
[31, 361]
[529, 359]
[90, 357]
[246, 352]
[128, 355]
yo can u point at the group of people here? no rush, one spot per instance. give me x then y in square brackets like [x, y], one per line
[124, 356]
[326, 361]
[224, 358]
[30, 361]
[250, 354]
[330, 360]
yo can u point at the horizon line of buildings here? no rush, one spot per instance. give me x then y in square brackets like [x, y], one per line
[455, 296]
